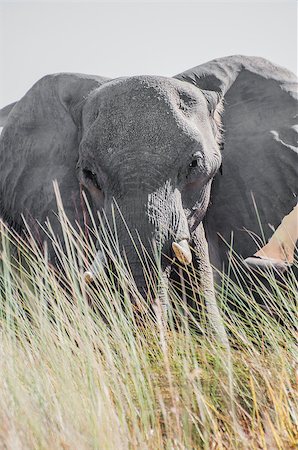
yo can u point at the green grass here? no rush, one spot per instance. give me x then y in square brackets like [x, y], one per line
[81, 367]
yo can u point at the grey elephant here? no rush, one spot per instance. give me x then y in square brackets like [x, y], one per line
[152, 145]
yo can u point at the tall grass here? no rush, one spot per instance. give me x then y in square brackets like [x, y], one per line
[85, 367]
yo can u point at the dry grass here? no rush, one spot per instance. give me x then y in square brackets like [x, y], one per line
[75, 376]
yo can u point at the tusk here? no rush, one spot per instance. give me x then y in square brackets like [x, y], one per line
[182, 251]
[88, 277]
[97, 267]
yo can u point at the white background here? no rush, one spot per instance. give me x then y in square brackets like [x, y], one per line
[116, 39]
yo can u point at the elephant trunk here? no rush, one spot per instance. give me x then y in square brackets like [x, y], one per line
[151, 230]
[136, 240]
[207, 285]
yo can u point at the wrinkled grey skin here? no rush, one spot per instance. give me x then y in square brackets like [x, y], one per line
[151, 144]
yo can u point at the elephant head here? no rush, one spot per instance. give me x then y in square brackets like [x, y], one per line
[150, 145]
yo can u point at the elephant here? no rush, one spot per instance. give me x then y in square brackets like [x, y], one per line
[154, 146]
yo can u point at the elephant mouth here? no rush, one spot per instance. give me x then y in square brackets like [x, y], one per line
[98, 265]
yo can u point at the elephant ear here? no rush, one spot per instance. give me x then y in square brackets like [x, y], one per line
[260, 156]
[39, 144]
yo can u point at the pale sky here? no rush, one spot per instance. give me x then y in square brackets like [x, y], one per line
[115, 39]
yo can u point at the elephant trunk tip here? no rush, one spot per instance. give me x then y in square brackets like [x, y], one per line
[182, 251]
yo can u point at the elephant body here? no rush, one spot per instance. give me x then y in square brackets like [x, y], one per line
[151, 146]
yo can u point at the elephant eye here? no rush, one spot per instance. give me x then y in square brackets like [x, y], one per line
[197, 158]
[194, 163]
[90, 176]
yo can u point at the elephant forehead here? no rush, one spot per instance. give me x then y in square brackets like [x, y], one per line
[146, 112]
[129, 96]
